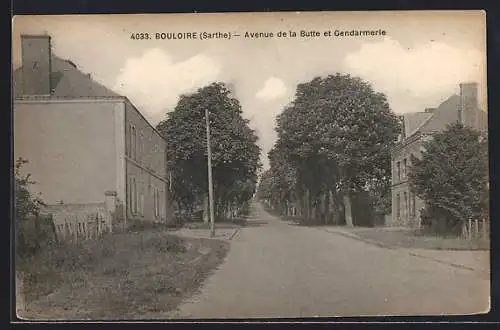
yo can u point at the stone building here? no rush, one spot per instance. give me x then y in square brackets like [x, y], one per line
[83, 140]
[417, 128]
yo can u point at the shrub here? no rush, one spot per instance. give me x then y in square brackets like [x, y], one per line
[33, 231]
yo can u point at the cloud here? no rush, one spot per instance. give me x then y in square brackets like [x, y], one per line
[427, 69]
[154, 81]
[273, 88]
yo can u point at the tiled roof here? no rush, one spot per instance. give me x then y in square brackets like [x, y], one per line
[67, 81]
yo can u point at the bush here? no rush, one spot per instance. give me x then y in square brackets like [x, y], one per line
[32, 230]
[33, 234]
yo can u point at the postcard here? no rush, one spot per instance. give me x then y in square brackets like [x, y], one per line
[250, 165]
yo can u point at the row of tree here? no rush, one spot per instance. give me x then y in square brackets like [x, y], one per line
[332, 163]
[235, 153]
[333, 148]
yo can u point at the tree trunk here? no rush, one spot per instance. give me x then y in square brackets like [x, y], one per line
[307, 203]
[298, 202]
[348, 211]
[206, 217]
[326, 207]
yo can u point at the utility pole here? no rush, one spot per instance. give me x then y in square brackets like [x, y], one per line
[210, 184]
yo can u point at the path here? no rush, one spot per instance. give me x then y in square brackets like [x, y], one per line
[277, 269]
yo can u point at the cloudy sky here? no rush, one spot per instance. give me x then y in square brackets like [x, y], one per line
[417, 64]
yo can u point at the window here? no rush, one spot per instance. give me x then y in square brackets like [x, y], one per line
[133, 147]
[399, 170]
[404, 168]
[129, 204]
[133, 196]
[130, 193]
[141, 147]
[141, 204]
[129, 141]
[398, 206]
[136, 202]
[156, 201]
[405, 210]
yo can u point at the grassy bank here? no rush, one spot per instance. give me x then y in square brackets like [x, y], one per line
[134, 275]
[420, 240]
[219, 224]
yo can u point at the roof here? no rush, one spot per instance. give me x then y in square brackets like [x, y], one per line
[445, 114]
[67, 81]
[425, 122]
[413, 121]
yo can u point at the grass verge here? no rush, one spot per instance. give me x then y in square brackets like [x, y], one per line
[220, 224]
[139, 275]
[419, 240]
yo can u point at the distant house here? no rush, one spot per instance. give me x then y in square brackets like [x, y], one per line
[83, 140]
[417, 128]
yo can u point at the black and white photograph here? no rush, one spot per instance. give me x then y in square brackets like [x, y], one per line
[271, 165]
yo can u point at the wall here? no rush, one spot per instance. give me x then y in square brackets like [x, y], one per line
[71, 148]
[408, 217]
[146, 166]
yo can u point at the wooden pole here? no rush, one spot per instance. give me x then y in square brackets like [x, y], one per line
[210, 184]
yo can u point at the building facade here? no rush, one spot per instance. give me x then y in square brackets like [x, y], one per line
[418, 128]
[83, 140]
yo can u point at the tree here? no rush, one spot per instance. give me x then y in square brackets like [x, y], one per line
[235, 153]
[451, 177]
[337, 134]
[26, 204]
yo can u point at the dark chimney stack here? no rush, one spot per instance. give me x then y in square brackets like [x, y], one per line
[36, 64]
[468, 112]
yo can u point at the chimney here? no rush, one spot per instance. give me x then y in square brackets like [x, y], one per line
[468, 111]
[36, 64]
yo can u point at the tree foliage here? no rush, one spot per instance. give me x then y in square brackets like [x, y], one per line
[451, 176]
[26, 204]
[32, 231]
[235, 153]
[336, 135]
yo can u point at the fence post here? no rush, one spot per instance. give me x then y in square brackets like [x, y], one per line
[97, 225]
[110, 207]
[476, 228]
